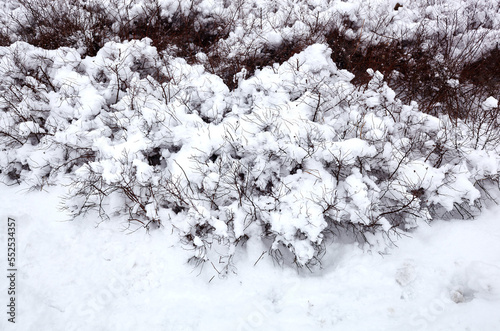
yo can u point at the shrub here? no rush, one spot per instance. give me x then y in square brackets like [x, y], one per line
[295, 153]
[280, 123]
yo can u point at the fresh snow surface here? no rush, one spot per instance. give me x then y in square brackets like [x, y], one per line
[91, 275]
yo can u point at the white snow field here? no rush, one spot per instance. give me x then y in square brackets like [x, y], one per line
[92, 275]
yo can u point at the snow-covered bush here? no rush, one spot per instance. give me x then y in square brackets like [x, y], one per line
[295, 154]
[417, 45]
[35, 109]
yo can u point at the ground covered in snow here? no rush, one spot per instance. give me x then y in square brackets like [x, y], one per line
[88, 275]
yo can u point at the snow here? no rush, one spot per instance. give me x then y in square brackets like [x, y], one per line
[87, 274]
[151, 196]
[490, 103]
